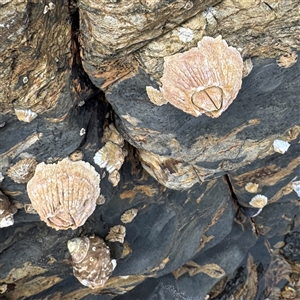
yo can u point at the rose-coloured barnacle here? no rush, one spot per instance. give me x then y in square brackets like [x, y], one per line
[287, 60]
[25, 115]
[114, 177]
[64, 194]
[7, 211]
[92, 264]
[110, 156]
[259, 201]
[76, 155]
[251, 187]
[116, 234]
[129, 215]
[111, 134]
[23, 170]
[203, 80]
[281, 146]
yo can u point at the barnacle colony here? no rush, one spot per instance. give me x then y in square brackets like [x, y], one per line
[202, 80]
[64, 194]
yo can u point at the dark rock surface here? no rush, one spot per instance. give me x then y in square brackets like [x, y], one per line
[190, 237]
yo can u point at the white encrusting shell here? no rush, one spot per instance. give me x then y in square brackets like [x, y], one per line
[281, 146]
[23, 170]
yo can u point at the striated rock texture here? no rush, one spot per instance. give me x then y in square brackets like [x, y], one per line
[71, 70]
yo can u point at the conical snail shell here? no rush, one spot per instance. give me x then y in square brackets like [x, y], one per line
[92, 265]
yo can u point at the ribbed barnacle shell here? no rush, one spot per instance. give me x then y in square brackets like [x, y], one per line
[203, 80]
[116, 234]
[64, 194]
[23, 170]
[91, 261]
[259, 201]
[129, 215]
[25, 115]
[251, 187]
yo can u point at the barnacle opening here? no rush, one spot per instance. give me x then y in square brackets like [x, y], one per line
[209, 99]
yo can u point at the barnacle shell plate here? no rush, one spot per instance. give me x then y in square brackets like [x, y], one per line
[204, 79]
[23, 170]
[64, 194]
[92, 265]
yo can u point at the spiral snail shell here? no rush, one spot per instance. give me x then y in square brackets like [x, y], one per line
[92, 264]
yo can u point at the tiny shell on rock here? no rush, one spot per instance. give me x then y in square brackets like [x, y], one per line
[64, 194]
[76, 155]
[116, 234]
[259, 201]
[203, 80]
[7, 211]
[281, 146]
[114, 177]
[251, 187]
[91, 260]
[110, 157]
[25, 115]
[155, 96]
[296, 187]
[112, 134]
[23, 170]
[1, 177]
[129, 215]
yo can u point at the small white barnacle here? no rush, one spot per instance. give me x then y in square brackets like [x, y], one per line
[296, 187]
[281, 146]
[94, 248]
[51, 5]
[82, 132]
[251, 187]
[91, 259]
[25, 79]
[188, 5]
[25, 115]
[259, 201]
[46, 9]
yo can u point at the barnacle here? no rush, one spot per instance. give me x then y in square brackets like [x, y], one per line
[64, 194]
[25, 115]
[111, 156]
[7, 211]
[259, 201]
[91, 260]
[251, 187]
[23, 170]
[129, 215]
[116, 234]
[203, 80]
[76, 155]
